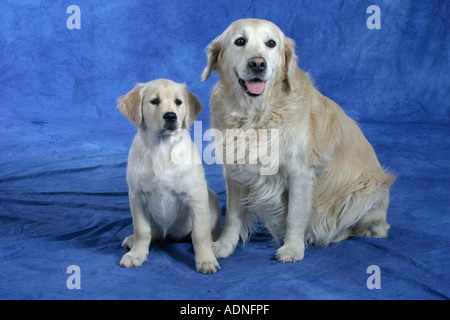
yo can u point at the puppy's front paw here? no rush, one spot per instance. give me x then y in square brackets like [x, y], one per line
[222, 249]
[207, 266]
[289, 253]
[132, 260]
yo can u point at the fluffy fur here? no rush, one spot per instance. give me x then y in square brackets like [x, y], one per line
[167, 189]
[329, 185]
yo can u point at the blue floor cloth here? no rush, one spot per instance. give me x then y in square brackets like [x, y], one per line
[64, 146]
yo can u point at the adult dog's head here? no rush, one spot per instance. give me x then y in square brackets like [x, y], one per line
[252, 56]
[161, 105]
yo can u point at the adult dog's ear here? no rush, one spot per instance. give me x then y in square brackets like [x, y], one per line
[131, 105]
[193, 109]
[290, 63]
[213, 52]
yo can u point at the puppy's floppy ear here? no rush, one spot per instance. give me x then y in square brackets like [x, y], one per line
[213, 52]
[131, 105]
[290, 63]
[193, 109]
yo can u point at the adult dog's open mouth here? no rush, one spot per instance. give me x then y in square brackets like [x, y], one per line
[254, 87]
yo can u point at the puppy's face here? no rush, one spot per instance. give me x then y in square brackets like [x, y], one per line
[162, 105]
[251, 54]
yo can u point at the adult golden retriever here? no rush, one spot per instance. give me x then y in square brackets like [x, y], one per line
[329, 184]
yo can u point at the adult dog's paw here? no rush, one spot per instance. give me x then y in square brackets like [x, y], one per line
[290, 253]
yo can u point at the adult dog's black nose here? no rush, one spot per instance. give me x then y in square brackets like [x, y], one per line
[257, 64]
[170, 116]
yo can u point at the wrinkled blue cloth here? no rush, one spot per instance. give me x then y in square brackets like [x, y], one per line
[64, 145]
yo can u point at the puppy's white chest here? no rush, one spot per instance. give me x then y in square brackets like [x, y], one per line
[165, 206]
[161, 190]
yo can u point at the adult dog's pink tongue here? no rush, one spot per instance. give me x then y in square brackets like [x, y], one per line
[255, 87]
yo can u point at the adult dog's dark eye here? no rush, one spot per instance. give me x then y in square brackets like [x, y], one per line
[178, 102]
[240, 42]
[271, 43]
[155, 101]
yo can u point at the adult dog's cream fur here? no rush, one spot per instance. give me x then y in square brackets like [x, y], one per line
[329, 185]
[167, 187]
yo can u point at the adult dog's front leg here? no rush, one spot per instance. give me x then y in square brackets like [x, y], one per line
[229, 238]
[142, 235]
[299, 210]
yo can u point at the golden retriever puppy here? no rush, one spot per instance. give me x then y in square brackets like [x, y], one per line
[327, 185]
[168, 193]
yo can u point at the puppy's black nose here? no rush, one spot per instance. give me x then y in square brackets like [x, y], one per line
[170, 116]
[257, 64]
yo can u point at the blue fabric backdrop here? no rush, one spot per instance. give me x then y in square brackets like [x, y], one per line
[63, 193]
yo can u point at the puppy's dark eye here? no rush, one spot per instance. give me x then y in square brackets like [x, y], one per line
[271, 43]
[155, 101]
[239, 42]
[178, 102]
